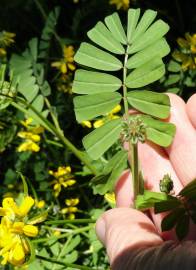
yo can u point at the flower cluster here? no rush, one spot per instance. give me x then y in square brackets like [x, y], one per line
[62, 178]
[187, 51]
[31, 137]
[66, 63]
[6, 40]
[100, 122]
[15, 228]
[120, 4]
[71, 208]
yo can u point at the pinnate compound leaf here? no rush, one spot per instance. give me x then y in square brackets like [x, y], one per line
[156, 31]
[114, 24]
[104, 38]
[90, 82]
[158, 49]
[91, 56]
[159, 132]
[144, 23]
[106, 181]
[89, 106]
[99, 140]
[152, 103]
[133, 17]
[171, 219]
[146, 74]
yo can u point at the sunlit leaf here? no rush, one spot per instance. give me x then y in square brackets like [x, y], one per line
[159, 132]
[89, 82]
[146, 74]
[133, 17]
[104, 38]
[99, 141]
[152, 103]
[91, 56]
[144, 23]
[159, 49]
[114, 25]
[148, 199]
[90, 106]
[154, 33]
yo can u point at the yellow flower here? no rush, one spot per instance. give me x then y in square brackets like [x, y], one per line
[6, 39]
[31, 137]
[86, 124]
[63, 178]
[110, 116]
[124, 4]
[66, 63]
[14, 230]
[110, 198]
[40, 204]
[71, 208]
[187, 51]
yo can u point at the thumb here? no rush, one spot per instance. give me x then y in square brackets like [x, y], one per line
[123, 229]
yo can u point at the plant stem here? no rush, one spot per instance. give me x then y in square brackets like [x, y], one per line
[75, 266]
[135, 169]
[74, 221]
[58, 133]
[132, 148]
[53, 237]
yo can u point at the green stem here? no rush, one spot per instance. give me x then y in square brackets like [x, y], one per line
[75, 266]
[64, 235]
[135, 169]
[74, 221]
[58, 133]
[132, 148]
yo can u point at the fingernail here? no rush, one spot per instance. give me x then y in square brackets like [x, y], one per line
[100, 230]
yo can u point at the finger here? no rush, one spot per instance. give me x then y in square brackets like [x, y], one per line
[191, 109]
[155, 164]
[182, 150]
[125, 228]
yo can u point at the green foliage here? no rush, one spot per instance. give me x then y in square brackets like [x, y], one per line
[146, 67]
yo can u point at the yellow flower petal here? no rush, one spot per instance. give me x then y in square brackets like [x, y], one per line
[98, 123]
[26, 205]
[30, 230]
[17, 255]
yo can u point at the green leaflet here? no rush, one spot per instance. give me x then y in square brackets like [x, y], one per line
[146, 74]
[90, 106]
[148, 199]
[144, 23]
[171, 219]
[89, 55]
[106, 181]
[156, 31]
[152, 103]
[104, 38]
[99, 140]
[158, 49]
[89, 82]
[133, 17]
[159, 132]
[115, 26]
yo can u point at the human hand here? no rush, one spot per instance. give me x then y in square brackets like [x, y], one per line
[125, 231]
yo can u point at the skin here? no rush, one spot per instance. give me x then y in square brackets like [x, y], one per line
[124, 228]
